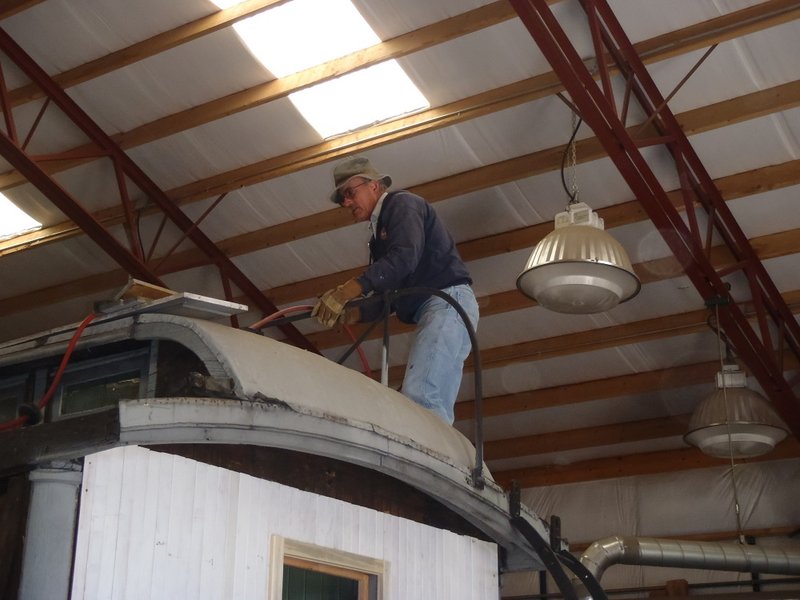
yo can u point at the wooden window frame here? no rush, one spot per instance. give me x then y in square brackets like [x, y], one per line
[365, 570]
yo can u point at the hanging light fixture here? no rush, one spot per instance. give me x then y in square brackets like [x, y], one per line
[735, 421]
[578, 268]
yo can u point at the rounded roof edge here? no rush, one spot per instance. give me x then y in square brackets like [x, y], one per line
[261, 367]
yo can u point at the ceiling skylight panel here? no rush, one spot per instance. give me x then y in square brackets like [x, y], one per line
[305, 33]
[302, 34]
[362, 98]
[13, 220]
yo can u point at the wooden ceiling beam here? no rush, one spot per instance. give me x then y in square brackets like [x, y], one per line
[726, 27]
[597, 339]
[651, 463]
[586, 437]
[12, 7]
[597, 389]
[587, 391]
[714, 30]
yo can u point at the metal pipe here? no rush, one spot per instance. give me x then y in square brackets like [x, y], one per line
[687, 554]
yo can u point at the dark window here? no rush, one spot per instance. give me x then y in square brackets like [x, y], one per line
[304, 584]
[12, 394]
[97, 393]
[94, 384]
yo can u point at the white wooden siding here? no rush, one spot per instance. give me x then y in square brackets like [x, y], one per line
[153, 525]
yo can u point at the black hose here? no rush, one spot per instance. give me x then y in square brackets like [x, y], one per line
[547, 555]
[478, 480]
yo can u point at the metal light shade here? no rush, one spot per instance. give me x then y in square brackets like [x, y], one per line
[578, 268]
[735, 420]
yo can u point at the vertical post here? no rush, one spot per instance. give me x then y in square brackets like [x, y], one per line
[50, 533]
[385, 352]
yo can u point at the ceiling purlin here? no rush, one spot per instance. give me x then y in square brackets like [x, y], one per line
[597, 339]
[587, 437]
[649, 463]
[766, 14]
[12, 7]
[596, 389]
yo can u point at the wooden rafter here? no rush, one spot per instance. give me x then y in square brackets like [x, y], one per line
[12, 7]
[650, 463]
[587, 437]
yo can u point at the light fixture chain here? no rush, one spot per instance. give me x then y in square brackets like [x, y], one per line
[573, 160]
[736, 507]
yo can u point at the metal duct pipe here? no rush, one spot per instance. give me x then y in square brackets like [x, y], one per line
[686, 554]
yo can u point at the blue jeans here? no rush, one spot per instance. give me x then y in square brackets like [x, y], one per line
[441, 344]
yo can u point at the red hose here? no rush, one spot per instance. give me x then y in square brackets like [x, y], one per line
[299, 307]
[280, 313]
[48, 396]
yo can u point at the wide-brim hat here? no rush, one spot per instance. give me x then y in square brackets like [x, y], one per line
[354, 167]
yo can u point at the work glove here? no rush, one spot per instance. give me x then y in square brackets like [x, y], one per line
[330, 307]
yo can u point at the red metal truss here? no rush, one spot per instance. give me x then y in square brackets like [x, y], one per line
[67, 204]
[760, 349]
[124, 167]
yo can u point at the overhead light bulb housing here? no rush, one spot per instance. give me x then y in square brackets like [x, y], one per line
[734, 420]
[579, 268]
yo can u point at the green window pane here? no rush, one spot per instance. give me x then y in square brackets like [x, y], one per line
[302, 584]
[97, 393]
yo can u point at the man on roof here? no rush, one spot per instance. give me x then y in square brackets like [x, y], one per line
[410, 248]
